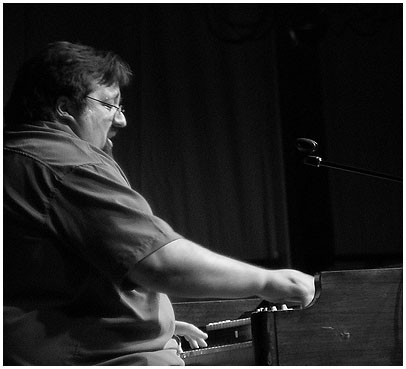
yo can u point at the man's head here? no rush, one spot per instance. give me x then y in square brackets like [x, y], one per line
[61, 83]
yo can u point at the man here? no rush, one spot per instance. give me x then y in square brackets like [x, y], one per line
[87, 265]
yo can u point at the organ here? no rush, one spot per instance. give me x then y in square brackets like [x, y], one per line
[356, 318]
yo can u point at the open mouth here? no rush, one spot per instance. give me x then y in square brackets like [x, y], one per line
[111, 133]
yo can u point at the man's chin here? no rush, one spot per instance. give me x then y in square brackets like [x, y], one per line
[108, 147]
[109, 143]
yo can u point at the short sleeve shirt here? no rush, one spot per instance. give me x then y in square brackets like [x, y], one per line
[73, 230]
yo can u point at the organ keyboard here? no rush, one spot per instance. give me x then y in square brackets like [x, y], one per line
[230, 340]
[355, 319]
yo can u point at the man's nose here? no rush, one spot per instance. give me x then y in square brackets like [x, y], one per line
[119, 120]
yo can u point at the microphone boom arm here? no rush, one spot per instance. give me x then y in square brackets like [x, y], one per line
[317, 161]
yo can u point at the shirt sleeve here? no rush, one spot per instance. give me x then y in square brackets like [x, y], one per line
[95, 212]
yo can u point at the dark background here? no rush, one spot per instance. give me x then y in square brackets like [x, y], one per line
[220, 94]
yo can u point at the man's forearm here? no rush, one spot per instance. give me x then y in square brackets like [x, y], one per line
[183, 268]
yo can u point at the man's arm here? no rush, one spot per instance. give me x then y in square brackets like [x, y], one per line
[183, 268]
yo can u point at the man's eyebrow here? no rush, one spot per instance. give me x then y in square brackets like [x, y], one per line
[120, 97]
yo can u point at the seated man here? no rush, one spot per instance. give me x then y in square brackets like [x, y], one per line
[87, 265]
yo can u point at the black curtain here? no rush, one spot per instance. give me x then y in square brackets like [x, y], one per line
[208, 150]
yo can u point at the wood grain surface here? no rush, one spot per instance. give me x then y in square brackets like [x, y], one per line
[356, 320]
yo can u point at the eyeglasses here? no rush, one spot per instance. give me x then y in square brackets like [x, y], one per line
[119, 109]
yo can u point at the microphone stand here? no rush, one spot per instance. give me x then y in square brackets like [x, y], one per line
[317, 161]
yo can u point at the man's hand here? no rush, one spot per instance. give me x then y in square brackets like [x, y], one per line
[192, 334]
[288, 285]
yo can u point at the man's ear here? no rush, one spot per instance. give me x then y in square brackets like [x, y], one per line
[65, 111]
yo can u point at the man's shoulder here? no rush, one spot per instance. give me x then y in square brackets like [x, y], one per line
[54, 147]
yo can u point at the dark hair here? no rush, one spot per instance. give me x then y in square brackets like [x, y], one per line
[61, 69]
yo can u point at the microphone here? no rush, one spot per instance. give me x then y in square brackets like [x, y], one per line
[308, 146]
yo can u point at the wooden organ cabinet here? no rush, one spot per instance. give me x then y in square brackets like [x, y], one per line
[356, 318]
